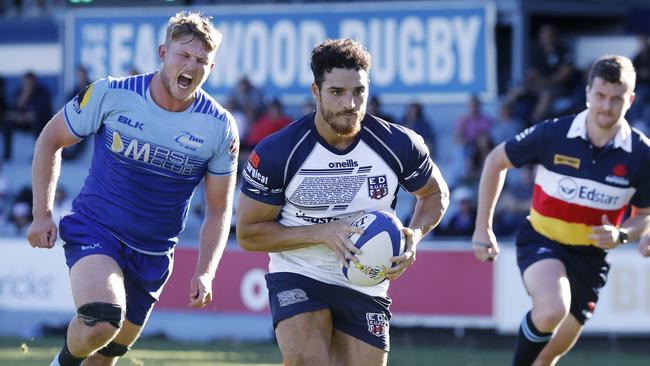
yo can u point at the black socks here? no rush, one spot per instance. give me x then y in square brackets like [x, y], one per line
[530, 342]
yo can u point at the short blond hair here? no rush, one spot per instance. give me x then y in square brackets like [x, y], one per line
[197, 25]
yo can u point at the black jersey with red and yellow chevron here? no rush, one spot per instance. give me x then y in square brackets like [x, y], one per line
[576, 183]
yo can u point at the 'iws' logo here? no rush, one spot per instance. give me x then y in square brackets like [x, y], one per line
[189, 141]
[377, 187]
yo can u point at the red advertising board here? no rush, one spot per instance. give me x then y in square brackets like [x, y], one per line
[440, 283]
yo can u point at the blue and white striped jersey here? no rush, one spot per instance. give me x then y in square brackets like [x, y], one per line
[147, 160]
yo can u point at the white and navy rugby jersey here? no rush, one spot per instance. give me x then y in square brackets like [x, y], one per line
[146, 160]
[315, 183]
[576, 182]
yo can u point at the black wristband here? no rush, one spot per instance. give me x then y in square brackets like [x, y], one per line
[622, 236]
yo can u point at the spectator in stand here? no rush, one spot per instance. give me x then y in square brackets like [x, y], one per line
[307, 107]
[415, 120]
[552, 74]
[506, 125]
[62, 204]
[81, 80]
[249, 98]
[462, 221]
[639, 113]
[472, 125]
[243, 124]
[554, 65]
[243, 127]
[31, 111]
[271, 121]
[21, 210]
[514, 205]
[134, 70]
[375, 108]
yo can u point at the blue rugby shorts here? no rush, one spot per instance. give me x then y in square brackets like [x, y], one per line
[586, 268]
[361, 316]
[144, 275]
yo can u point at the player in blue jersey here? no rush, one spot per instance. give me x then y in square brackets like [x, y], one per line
[591, 169]
[156, 136]
[302, 189]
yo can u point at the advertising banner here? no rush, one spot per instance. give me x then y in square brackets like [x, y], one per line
[432, 51]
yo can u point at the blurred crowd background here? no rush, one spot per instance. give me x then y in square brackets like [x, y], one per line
[543, 50]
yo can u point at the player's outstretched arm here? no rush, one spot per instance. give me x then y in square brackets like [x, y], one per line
[219, 192]
[258, 231]
[46, 167]
[493, 176]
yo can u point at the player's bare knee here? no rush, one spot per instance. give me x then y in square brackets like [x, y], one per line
[99, 334]
[102, 321]
[549, 317]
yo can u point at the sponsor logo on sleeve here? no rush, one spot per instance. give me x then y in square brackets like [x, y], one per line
[559, 159]
[233, 149]
[254, 159]
[255, 174]
[523, 134]
[82, 98]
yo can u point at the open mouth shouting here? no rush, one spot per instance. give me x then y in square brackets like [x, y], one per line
[185, 80]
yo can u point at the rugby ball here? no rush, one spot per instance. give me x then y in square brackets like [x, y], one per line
[382, 239]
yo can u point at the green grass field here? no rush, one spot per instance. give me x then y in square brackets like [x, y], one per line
[158, 352]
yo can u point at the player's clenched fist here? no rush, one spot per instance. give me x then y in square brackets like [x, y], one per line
[42, 233]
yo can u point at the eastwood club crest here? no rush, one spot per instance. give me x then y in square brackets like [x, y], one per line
[377, 186]
[377, 323]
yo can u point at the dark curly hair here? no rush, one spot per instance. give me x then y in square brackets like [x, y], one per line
[338, 53]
